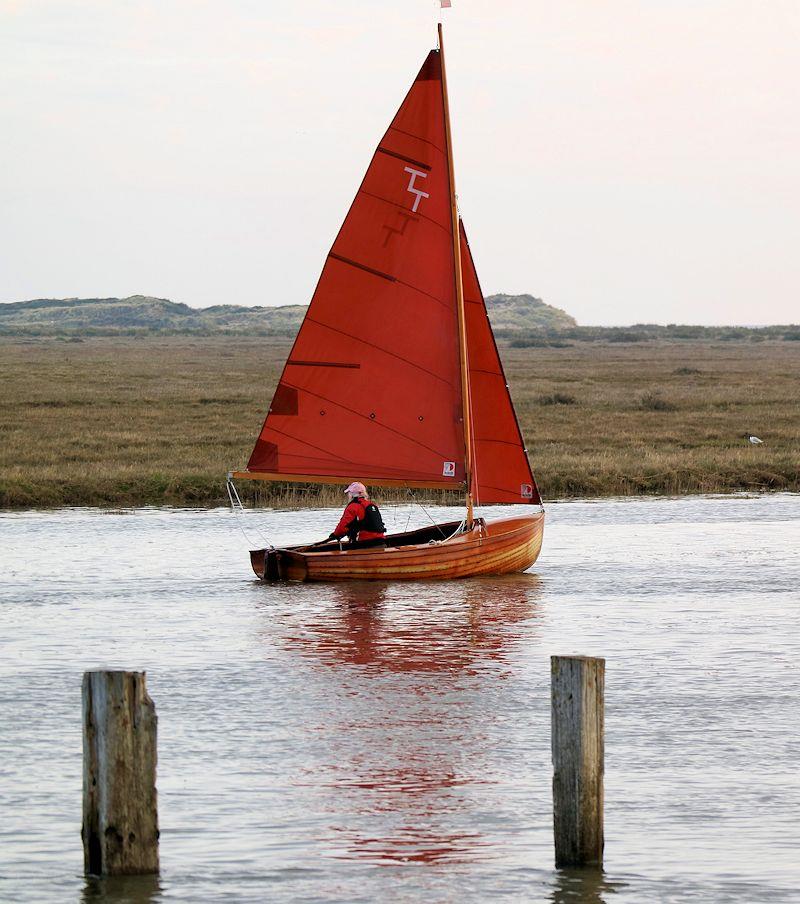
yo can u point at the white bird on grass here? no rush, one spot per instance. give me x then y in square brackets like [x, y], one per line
[754, 439]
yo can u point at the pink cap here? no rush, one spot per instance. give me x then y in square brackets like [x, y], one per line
[356, 489]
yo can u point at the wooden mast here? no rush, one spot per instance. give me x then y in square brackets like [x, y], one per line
[462, 338]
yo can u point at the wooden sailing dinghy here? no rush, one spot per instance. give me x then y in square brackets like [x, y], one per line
[395, 379]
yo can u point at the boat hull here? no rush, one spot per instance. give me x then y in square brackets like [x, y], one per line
[504, 546]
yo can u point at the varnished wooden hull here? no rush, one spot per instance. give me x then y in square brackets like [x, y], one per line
[497, 547]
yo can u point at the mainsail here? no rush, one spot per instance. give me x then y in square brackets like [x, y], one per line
[374, 387]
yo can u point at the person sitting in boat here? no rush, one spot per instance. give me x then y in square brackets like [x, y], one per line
[361, 519]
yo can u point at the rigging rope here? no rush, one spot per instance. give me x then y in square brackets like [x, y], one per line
[411, 494]
[238, 509]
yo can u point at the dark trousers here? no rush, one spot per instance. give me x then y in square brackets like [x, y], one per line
[363, 544]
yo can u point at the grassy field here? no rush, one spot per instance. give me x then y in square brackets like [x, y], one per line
[135, 421]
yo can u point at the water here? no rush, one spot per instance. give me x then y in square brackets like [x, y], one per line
[390, 742]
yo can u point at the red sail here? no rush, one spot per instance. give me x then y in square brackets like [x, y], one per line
[371, 389]
[500, 468]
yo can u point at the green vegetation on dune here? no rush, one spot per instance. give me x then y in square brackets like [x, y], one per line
[142, 314]
[525, 321]
[524, 312]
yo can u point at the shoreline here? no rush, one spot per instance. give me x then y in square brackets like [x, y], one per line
[329, 498]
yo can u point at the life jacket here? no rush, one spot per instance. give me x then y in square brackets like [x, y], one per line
[370, 520]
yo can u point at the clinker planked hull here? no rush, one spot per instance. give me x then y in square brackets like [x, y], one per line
[504, 546]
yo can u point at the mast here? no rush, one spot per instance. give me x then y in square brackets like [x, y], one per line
[462, 338]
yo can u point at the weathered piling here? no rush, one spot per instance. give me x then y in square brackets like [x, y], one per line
[577, 689]
[120, 810]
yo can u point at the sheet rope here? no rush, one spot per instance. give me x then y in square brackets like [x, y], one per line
[238, 509]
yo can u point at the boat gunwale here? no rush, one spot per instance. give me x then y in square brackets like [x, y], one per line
[475, 537]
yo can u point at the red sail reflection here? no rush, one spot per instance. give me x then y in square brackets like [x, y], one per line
[386, 626]
[419, 684]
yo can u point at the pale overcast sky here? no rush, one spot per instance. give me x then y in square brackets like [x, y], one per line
[627, 160]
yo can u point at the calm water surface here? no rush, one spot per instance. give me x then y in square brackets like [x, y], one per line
[390, 742]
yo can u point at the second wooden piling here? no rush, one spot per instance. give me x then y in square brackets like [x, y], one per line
[577, 701]
[120, 811]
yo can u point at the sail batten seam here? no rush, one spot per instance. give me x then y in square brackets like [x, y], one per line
[323, 364]
[372, 270]
[419, 163]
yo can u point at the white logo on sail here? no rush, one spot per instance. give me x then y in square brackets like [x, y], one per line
[526, 491]
[449, 469]
[416, 191]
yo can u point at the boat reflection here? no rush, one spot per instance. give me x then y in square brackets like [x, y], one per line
[414, 742]
[422, 627]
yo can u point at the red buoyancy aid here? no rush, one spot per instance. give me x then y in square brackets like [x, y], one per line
[356, 510]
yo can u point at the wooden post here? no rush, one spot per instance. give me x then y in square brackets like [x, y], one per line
[577, 688]
[120, 811]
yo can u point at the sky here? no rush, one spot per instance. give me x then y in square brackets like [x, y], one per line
[628, 161]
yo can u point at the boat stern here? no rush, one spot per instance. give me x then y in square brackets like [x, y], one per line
[278, 565]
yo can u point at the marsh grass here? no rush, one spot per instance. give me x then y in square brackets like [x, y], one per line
[557, 398]
[653, 400]
[138, 421]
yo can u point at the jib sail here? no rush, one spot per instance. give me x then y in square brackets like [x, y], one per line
[500, 468]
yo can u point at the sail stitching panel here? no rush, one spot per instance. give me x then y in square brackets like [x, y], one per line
[394, 279]
[417, 137]
[419, 163]
[379, 348]
[506, 490]
[332, 455]
[397, 205]
[423, 292]
[349, 461]
[356, 465]
[327, 452]
[366, 417]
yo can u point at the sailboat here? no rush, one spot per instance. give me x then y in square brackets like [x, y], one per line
[394, 378]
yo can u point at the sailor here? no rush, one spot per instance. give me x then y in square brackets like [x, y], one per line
[361, 519]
